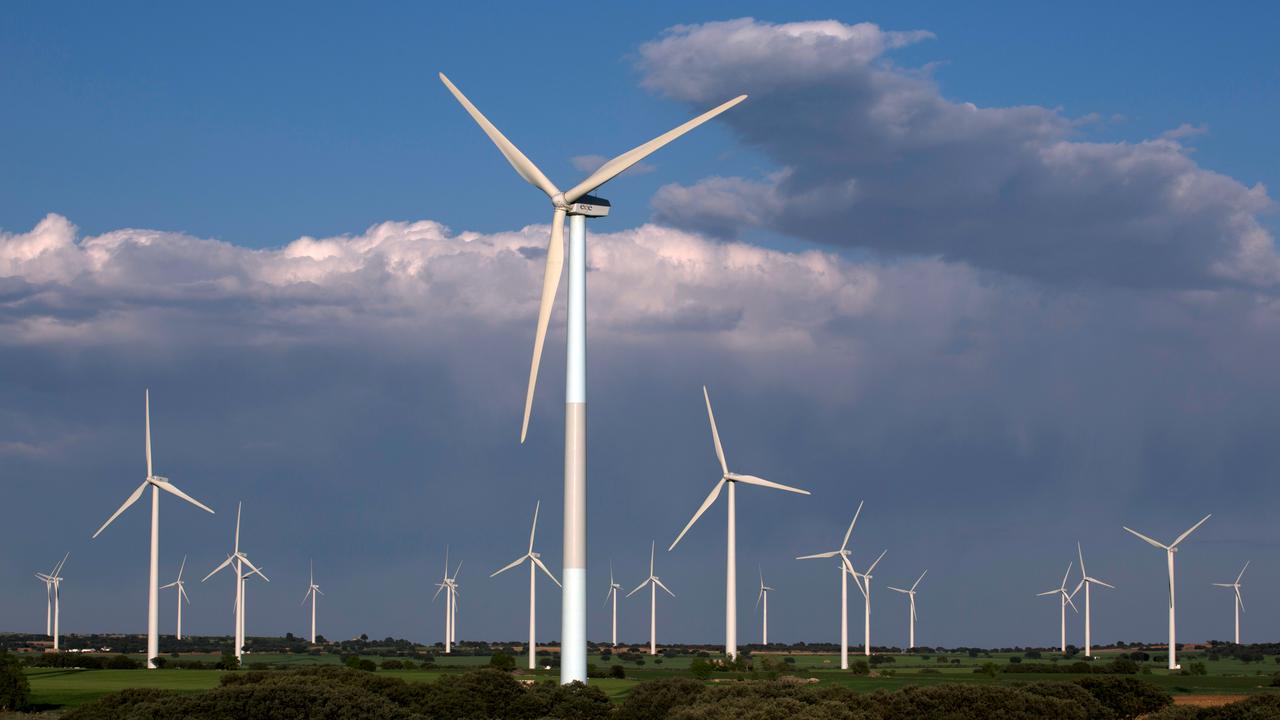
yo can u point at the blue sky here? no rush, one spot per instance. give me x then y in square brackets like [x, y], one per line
[1010, 280]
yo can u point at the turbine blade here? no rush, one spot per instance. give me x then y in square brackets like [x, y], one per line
[1054, 591]
[183, 592]
[1162, 546]
[711, 498]
[753, 480]
[1190, 530]
[1078, 586]
[169, 488]
[1226, 585]
[147, 397]
[182, 567]
[651, 546]
[664, 587]
[131, 500]
[522, 165]
[849, 532]
[833, 553]
[638, 588]
[541, 566]
[172, 584]
[1096, 581]
[715, 434]
[537, 506]
[58, 568]
[239, 505]
[758, 596]
[917, 582]
[510, 565]
[439, 588]
[219, 568]
[1067, 598]
[1241, 575]
[306, 597]
[848, 566]
[550, 282]
[1080, 552]
[611, 169]
[877, 562]
[254, 568]
[908, 592]
[1240, 599]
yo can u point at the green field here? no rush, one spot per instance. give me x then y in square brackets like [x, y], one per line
[64, 688]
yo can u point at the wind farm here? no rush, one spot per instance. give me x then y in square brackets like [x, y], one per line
[1005, 292]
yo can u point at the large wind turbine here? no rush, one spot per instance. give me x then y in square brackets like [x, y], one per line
[157, 483]
[764, 617]
[53, 591]
[312, 591]
[731, 572]
[845, 568]
[911, 595]
[1065, 599]
[1085, 581]
[865, 588]
[535, 564]
[578, 205]
[182, 593]
[238, 560]
[654, 583]
[1239, 603]
[1169, 550]
[614, 587]
[450, 586]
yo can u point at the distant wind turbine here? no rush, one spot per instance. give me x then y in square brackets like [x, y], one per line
[53, 591]
[449, 586]
[1169, 550]
[764, 617]
[614, 588]
[865, 588]
[1239, 603]
[731, 572]
[239, 561]
[182, 593]
[535, 563]
[1085, 581]
[846, 568]
[312, 591]
[157, 483]
[911, 595]
[654, 583]
[1065, 599]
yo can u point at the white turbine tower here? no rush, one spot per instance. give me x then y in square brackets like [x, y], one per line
[1065, 599]
[1169, 550]
[53, 591]
[911, 595]
[449, 586]
[312, 591]
[845, 568]
[1085, 581]
[731, 572]
[535, 563]
[1239, 603]
[157, 483]
[654, 583]
[182, 594]
[239, 561]
[578, 205]
[614, 587]
[241, 605]
[764, 617]
[865, 588]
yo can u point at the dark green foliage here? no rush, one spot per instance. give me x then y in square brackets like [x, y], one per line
[122, 662]
[502, 661]
[14, 689]
[1073, 693]
[976, 702]
[654, 700]
[1257, 707]
[860, 667]
[1195, 668]
[617, 671]
[1126, 697]
[700, 668]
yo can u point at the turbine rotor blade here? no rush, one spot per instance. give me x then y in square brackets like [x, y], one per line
[1096, 581]
[147, 396]
[638, 588]
[1192, 529]
[522, 165]
[254, 568]
[534, 528]
[611, 169]
[510, 565]
[710, 499]
[877, 562]
[131, 500]
[849, 532]
[831, 554]
[1241, 575]
[182, 567]
[543, 568]
[1066, 575]
[1160, 545]
[1080, 552]
[664, 587]
[917, 582]
[169, 488]
[219, 568]
[550, 282]
[907, 592]
[753, 480]
[715, 434]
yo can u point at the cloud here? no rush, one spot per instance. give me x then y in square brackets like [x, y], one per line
[873, 156]
[591, 163]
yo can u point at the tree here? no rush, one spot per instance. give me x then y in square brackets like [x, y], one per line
[502, 661]
[15, 691]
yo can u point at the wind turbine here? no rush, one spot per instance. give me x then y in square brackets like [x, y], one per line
[764, 596]
[731, 570]
[448, 584]
[911, 595]
[865, 588]
[239, 560]
[845, 568]
[578, 205]
[1085, 581]
[312, 590]
[157, 483]
[1239, 604]
[52, 589]
[182, 593]
[1169, 550]
[242, 602]
[1065, 598]
[614, 587]
[535, 564]
[654, 583]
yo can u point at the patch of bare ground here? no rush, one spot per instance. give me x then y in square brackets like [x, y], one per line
[1207, 700]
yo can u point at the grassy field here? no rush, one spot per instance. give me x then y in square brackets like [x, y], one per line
[64, 688]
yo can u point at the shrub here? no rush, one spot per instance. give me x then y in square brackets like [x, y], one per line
[1195, 668]
[123, 662]
[392, 665]
[502, 661]
[860, 667]
[15, 691]
[652, 700]
[617, 671]
[1126, 697]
